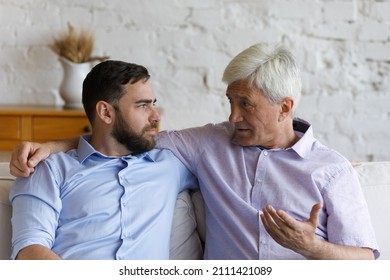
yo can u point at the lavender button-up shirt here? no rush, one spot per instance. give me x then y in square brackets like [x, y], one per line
[237, 182]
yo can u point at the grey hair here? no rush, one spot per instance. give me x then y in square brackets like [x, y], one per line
[269, 67]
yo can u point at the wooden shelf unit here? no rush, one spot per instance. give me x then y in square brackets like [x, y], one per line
[39, 124]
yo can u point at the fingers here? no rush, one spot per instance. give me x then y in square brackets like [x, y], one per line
[356, 163]
[284, 221]
[289, 232]
[272, 216]
[38, 156]
[315, 210]
[266, 218]
[19, 164]
[20, 172]
[269, 224]
[280, 217]
[272, 222]
[18, 167]
[275, 225]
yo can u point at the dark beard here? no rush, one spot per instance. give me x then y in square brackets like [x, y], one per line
[135, 143]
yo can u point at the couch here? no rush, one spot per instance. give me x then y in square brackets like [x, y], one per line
[188, 224]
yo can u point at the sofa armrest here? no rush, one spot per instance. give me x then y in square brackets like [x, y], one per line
[6, 182]
[374, 178]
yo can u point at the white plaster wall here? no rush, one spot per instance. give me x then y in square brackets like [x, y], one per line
[343, 47]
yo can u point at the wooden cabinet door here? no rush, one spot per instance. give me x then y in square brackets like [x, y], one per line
[52, 128]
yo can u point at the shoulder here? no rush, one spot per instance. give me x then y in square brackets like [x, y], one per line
[62, 158]
[328, 155]
[331, 163]
[201, 133]
[62, 163]
[48, 175]
[166, 161]
[164, 156]
[159, 154]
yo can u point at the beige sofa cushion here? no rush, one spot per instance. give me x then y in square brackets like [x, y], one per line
[375, 180]
[185, 242]
[6, 181]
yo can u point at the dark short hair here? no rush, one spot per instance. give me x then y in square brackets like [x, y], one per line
[106, 82]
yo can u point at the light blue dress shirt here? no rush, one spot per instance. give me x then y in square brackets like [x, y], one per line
[84, 205]
[237, 182]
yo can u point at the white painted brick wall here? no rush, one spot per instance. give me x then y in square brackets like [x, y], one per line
[343, 47]
[340, 11]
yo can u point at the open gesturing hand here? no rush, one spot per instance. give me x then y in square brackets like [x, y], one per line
[298, 236]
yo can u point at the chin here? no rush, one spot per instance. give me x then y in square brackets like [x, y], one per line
[152, 142]
[239, 141]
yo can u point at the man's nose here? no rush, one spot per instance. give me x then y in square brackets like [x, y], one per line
[235, 114]
[155, 117]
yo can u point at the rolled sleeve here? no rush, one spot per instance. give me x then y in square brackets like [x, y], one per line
[35, 210]
[349, 222]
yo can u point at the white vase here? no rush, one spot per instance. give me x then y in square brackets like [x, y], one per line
[72, 82]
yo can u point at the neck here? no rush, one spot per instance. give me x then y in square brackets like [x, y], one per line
[108, 146]
[284, 138]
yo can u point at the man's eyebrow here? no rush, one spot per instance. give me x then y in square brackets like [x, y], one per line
[146, 101]
[237, 97]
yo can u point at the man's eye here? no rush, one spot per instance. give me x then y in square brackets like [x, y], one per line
[246, 104]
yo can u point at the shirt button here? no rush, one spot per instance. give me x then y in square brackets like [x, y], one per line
[265, 153]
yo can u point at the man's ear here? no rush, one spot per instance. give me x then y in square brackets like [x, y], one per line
[105, 112]
[286, 108]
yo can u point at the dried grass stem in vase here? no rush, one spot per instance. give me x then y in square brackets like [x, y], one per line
[75, 46]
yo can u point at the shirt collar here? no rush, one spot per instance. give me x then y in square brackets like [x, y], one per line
[85, 150]
[304, 130]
